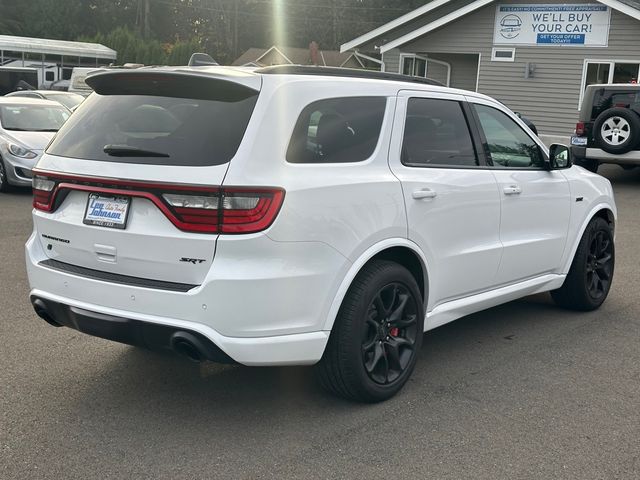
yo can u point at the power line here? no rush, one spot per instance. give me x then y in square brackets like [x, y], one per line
[268, 15]
[355, 7]
[298, 4]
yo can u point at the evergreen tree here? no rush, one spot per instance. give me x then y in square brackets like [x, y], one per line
[222, 28]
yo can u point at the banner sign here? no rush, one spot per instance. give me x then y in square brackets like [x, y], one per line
[577, 24]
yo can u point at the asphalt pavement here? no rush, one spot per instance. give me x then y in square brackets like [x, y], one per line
[521, 391]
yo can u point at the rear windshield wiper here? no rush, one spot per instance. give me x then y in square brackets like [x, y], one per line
[127, 151]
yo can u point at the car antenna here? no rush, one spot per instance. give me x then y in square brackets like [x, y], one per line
[201, 60]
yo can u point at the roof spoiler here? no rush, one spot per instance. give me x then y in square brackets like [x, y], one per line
[201, 60]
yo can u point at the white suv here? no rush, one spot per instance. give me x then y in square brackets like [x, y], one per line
[296, 215]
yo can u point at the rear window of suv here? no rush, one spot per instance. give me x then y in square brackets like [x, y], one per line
[158, 120]
[605, 99]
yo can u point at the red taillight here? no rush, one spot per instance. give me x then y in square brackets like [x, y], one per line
[230, 210]
[249, 211]
[580, 130]
[195, 209]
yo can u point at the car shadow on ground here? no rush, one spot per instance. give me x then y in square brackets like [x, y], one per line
[176, 386]
[620, 176]
[20, 191]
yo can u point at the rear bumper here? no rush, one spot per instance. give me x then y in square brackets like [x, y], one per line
[140, 330]
[583, 154]
[268, 312]
[123, 330]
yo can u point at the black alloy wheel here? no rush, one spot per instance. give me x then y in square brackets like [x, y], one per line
[374, 344]
[390, 334]
[591, 274]
[599, 271]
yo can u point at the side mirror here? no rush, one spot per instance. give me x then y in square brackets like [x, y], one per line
[559, 157]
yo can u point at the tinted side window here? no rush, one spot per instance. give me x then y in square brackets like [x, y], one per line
[509, 145]
[436, 134]
[337, 130]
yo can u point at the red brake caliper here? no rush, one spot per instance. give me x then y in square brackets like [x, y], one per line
[394, 331]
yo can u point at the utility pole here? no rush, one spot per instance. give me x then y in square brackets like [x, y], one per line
[147, 30]
[142, 18]
[235, 31]
[334, 12]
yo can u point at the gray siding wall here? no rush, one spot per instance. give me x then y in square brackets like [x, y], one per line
[464, 69]
[551, 98]
[391, 60]
[437, 71]
[411, 26]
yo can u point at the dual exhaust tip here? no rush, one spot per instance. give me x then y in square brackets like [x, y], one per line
[189, 344]
[41, 310]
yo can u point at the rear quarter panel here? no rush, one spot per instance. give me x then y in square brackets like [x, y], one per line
[349, 206]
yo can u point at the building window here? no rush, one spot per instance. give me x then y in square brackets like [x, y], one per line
[605, 71]
[413, 65]
[503, 54]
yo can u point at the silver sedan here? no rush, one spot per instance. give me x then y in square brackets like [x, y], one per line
[26, 128]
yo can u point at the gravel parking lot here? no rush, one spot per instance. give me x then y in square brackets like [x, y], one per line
[524, 390]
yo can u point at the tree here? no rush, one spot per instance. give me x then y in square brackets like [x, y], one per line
[131, 47]
[10, 17]
[155, 29]
[181, 52]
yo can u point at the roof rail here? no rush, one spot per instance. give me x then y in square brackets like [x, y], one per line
[344, 72]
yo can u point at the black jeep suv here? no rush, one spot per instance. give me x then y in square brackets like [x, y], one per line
[608, 129]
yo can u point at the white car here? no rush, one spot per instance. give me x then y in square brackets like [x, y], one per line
[26, 128]
[68, 99]
[302, 215]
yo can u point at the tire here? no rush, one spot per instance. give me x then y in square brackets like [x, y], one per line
[617, 130]
[589, 280]
[4, 182]
[370, 356]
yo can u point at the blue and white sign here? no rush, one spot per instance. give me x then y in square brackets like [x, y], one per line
[578, 24]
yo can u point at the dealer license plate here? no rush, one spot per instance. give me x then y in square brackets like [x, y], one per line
[579, 141]
[107, 211]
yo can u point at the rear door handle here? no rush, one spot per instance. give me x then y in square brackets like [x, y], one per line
[424, 193]
[512, 190]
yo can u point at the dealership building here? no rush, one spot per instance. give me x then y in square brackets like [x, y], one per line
[536, 58]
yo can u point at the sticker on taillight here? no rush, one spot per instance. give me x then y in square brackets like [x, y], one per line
[249, 212]
[204, 202]
[43, 192]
